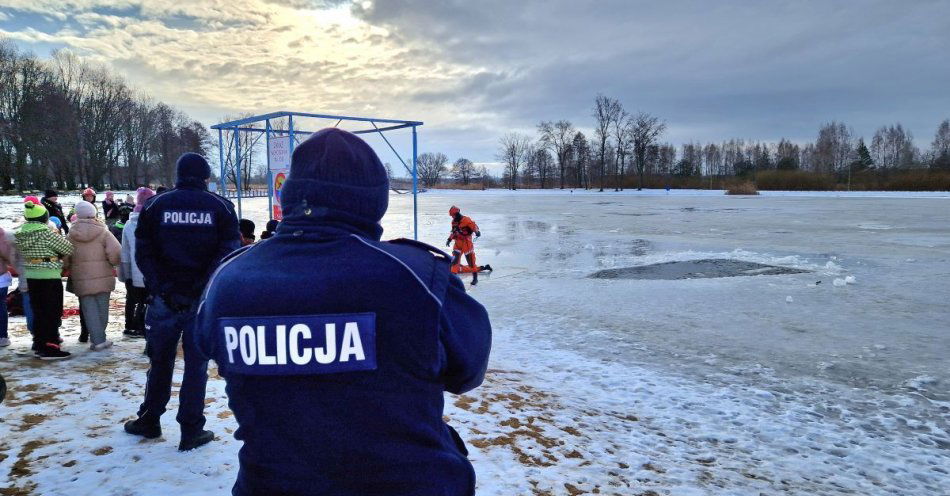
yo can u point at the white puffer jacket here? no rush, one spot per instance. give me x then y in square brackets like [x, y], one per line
[129, 269]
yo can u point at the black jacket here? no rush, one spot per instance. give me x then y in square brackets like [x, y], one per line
[180, 238]
[55, 210]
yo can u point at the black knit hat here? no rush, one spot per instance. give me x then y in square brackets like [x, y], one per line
[192, 165]
[339, 171]
[246, 227]
[50, 193]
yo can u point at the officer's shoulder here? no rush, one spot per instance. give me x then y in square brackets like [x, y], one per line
[228, 268]
[218, 197]
[418, 246]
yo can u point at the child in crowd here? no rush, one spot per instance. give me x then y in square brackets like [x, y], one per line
[6, 261]
[43, 254]
[125, 210]
[56, 225]
[17, 267]
[270, 229]
[246, 227]
[96, 253]
[130, 274]
[110, 208]
[88, 195]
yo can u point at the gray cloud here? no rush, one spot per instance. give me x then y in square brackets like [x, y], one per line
[475, 70]
[759, 70]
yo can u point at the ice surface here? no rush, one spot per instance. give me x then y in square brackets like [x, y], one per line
[684, 386]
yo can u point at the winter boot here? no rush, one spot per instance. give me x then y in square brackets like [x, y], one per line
[191, 442]
[485, 268]
[4, 342]
[139, 427]
[101, 346]
[134, 333]
[51, 351]
[474, 278]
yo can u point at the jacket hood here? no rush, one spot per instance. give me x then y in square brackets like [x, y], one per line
[85, 230]
[32, 227]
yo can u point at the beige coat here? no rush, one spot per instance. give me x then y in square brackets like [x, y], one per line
[96, 254]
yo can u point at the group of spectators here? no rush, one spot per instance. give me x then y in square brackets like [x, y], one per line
[336, 346]
[91, 246]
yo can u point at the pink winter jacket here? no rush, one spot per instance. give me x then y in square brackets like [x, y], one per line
[96, 254]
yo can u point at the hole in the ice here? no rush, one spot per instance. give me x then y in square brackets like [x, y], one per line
[632, 214]
[696, 269]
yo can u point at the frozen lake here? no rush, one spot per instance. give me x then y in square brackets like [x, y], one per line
[696, 372]
[889, 328]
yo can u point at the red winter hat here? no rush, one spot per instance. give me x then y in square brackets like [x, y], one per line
[89, 191]
[454, 210]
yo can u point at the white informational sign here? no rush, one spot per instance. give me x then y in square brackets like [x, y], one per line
[278, 153]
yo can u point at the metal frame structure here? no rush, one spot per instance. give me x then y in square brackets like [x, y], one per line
[247, 125]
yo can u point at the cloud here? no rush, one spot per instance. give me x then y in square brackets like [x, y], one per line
[475, 70]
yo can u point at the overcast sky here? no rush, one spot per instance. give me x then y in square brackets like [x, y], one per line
[473, 70]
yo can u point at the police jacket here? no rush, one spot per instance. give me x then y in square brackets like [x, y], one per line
[337, 349]
[181, 236]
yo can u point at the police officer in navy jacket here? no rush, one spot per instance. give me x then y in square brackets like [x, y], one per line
[181, 237]
[337, 347]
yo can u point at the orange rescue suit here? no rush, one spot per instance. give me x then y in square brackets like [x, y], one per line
[462, 231]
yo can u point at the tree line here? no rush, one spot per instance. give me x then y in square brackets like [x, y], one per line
[67, 123]
[626, 149]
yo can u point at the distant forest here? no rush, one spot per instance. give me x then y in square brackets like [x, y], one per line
[627, 151]
[67, 123]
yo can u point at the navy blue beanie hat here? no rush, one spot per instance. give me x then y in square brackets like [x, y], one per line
[336, 174]
[193, 166]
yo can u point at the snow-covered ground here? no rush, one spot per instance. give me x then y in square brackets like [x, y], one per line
[741, 385]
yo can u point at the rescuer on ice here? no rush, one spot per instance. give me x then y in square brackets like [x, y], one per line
[463, 230]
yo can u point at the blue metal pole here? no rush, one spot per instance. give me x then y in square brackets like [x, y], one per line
[290, 126]
[415, 189]
[237, 168]
[270, 178]
[221, 178]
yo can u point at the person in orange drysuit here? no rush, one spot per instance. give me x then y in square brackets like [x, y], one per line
[463, 228]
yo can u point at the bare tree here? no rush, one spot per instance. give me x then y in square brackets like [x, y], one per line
[834, 147]
[606, 111]
[513, 152]
[558, 137]
[463, 170]
[539, 165]
[644, 132]
[893, 147]
[621, 129]
[484, 177]
[430, 167]
[580, 158]
[940, 148]
[787, 155]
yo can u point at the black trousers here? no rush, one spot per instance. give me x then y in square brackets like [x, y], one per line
[46, 300]
[83, 330]
[134, 307]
